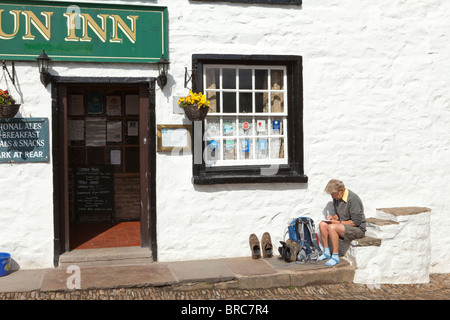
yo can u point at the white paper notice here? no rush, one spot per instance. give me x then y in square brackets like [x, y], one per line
[115, 157]
[132, 128]
[114, 131]
[174, 137]
[113, 106]
[76, 105]
[261, 125]
[95, 132]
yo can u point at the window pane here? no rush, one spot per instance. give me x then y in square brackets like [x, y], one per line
[212, 78]
[212, 127]
[132, 159]
[261, 79]
[277, 82]
[229, 102]
[229, 150]
[229, 126]
[245, 126]
[261, 102]
[212, 151]
[277, 102]
[214, 101]
[245, 102]
[246, 149]
[245, 79]
[277, 126]
[261, 127]
[262, 148]
[77, 156]
[229, 78]
[277, 148]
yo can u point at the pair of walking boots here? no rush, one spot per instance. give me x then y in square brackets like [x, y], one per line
[265, 246]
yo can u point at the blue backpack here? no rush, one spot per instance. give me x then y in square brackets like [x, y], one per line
[302, 231]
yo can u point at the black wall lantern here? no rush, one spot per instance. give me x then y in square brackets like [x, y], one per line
[43, 62]
[163, 66]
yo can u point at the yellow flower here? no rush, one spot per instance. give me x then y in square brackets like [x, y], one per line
[193, 98]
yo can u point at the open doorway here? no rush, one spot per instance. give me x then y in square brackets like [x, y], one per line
[104, 164]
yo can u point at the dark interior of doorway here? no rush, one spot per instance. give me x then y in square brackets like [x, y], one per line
[103, 133]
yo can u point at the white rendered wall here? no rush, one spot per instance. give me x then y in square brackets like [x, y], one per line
[376, 113]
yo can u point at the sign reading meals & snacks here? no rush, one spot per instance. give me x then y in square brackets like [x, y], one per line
[70, 31]
[24, 140]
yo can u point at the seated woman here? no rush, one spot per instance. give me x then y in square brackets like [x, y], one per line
[348, 223]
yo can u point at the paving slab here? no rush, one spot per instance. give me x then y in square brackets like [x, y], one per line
[109, 277]
[283, 266]
[248, 267]
[22, 280]
[343, 272]
[201, 270]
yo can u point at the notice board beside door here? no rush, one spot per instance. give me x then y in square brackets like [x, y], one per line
[94, 192]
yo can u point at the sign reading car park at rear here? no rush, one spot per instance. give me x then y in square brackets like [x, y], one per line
[69, 31]
[24, 140]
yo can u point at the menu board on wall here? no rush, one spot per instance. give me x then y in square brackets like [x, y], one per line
[94, 187]
[24, 140]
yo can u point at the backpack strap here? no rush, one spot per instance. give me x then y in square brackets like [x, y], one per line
[312, 231]
[299, 229]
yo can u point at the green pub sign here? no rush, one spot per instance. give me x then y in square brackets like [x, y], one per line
[69, 31]
[24, 140]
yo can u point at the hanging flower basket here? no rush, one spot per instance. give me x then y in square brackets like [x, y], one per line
[8, 110]
[194, 113]
[8, 106]
[195, 106]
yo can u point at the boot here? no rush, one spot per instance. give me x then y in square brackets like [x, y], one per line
[254, 246]
[266, 243]
[293, 250]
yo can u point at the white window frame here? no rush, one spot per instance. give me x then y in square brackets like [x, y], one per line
[219, 160]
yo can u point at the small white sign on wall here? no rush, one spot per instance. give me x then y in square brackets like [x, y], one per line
[174, 136]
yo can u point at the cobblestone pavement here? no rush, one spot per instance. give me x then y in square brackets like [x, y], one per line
[437, 289]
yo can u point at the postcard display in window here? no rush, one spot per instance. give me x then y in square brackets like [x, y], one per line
[248, 116]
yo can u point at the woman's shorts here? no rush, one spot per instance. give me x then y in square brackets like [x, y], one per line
[352, 233]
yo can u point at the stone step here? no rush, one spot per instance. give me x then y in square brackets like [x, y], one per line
[365, 242]
[400, 214]
[404, 240]
[106, 256]
[382, 228]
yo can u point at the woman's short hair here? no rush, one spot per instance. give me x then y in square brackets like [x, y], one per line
[334, 186]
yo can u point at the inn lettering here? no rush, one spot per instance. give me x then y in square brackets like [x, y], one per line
[105, 27]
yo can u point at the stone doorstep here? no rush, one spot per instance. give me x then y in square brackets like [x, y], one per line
[107, 256]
